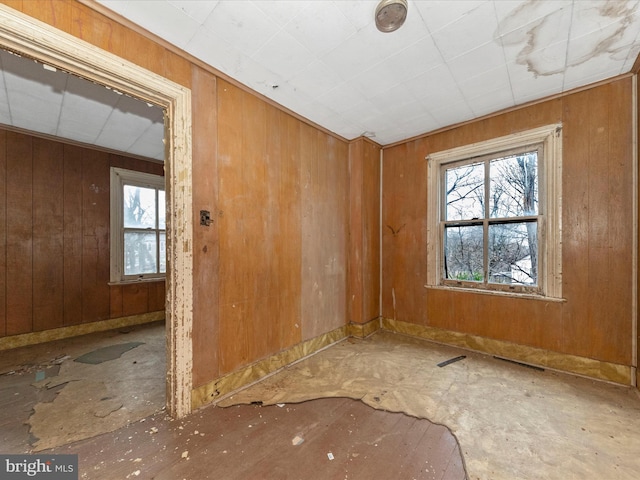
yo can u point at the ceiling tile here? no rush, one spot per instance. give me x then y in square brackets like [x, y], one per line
[216, 51]
[415, 59]
[486, 82]
[243, 24]
[320, 27]
[198, 10]
[436, 87]
[343, 97]
[486, 57]
[492, 100]
[532, 36]
[163, 18]
[316, 79]
[282, 53]
[592, 17]
[610, 40]
[148, 144]
[579, 74]
[451, 114]
[440, 14]
[464, 35]
[326, 61]
[516, 17]
[360, 13]
[282, 11]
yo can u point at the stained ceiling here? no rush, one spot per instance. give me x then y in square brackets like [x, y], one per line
[451, 61]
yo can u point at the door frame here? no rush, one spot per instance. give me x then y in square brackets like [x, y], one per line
[31, 38]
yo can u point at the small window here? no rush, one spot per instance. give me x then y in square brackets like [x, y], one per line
[494, 215]
[138, 228]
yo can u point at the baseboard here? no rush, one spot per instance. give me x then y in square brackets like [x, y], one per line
[223, 386]
[16, 341]
[582, 366]
[363, 330]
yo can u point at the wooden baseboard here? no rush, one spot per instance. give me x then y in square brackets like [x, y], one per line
[16, 341]
[363, 330]
[218, 389]
[574, 364]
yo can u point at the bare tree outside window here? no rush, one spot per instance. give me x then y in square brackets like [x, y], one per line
[144, 237]
[491, 220]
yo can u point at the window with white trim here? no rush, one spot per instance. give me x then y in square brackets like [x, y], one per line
[138, 228]
[494, 215]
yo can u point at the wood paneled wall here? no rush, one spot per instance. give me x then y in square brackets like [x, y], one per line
[596, 320]
[54, 251]
[364, 258]
[271, 270]
[283, 228]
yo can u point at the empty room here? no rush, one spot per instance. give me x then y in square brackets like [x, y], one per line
[324, 239]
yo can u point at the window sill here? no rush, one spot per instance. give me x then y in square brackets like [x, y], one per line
[137, 280]
[499, 293]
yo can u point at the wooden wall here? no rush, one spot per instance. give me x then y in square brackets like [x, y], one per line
[597, 225]
[283, 229]
[276, 265]
[364, 259]
[271, 270]
[54, 251]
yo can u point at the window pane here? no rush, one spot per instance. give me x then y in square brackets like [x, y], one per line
[463, 253]
[514, 186]
[513, 253]
[163, 252]
[139, 253]
[139, 207]
[162, 210]
[465, 192]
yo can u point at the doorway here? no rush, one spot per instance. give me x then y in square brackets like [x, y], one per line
[31, 38]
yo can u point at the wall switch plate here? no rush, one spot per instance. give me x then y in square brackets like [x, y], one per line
[205, 218]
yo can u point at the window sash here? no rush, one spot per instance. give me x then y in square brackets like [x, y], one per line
[482, 278]
[121, 178]
[547, 220]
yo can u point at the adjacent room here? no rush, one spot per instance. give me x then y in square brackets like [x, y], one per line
[321, 239]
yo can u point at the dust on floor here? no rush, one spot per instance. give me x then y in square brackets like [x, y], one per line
[78, 388]
[511, 422]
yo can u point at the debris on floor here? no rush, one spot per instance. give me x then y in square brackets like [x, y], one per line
[107, 353]
[452, 360]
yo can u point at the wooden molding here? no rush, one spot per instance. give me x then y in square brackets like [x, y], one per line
[27, 36]
[226, 385]
[562, 362]
[17, 341]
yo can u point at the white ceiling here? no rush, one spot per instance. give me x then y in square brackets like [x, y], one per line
[41, 99]
[450, 62]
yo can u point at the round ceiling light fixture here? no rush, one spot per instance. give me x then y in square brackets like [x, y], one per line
[391, 14]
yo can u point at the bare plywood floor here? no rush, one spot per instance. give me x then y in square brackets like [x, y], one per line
[293, 441]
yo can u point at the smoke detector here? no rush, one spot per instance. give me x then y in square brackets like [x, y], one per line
[391, 14]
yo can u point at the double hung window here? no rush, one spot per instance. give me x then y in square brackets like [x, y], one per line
[138, 229]
[494, 214]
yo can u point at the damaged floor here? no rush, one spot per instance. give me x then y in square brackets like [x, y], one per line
[63, 391]
[324, 439]
[313, 420]
[511, 421]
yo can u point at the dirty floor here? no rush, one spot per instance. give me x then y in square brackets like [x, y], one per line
[324, 439]
[512, 422]
[63, 391]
